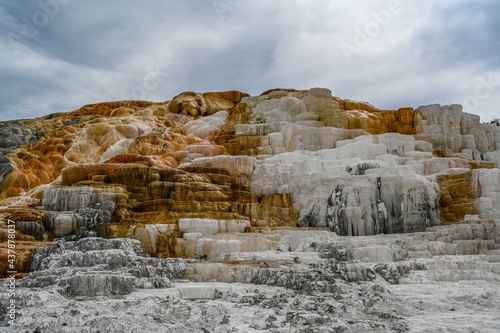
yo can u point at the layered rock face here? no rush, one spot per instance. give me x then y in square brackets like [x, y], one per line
[285, 159]
[292, 211]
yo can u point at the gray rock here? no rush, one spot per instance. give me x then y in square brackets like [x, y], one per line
[43, 257]
[321, 278]
[311, 218]
[392, 272]
[360, 168]
[390, 204]
[333, 250]
[14, 134]
[76, 199]
[5, 169]
[78, 212]
[98, 284]
[62, 224]
[32, 228]
[95, 266]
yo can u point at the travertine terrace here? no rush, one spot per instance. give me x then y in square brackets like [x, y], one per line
[296, 208]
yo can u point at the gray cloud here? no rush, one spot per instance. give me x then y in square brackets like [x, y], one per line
[90, 51]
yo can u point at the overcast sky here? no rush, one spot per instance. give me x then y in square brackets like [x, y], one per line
[57, 55]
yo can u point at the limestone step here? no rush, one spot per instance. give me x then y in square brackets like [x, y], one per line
[270, 256]
[419, 254]
[494, 252]
[424, 276]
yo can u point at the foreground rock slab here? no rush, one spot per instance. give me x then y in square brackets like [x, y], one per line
[313, 281]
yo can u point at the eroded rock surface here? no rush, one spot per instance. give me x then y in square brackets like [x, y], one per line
[304, 280]
[99, 267]
[292, 211]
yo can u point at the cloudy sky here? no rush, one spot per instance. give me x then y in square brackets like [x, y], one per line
[57, 55]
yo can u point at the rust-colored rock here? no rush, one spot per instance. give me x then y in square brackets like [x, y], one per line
[459, 194]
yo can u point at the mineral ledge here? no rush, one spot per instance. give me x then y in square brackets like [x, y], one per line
[292, 211]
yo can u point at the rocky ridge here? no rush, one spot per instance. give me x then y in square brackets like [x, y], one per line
[297, 192]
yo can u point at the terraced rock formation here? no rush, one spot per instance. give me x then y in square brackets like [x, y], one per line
[298, 192]
[444, 279]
